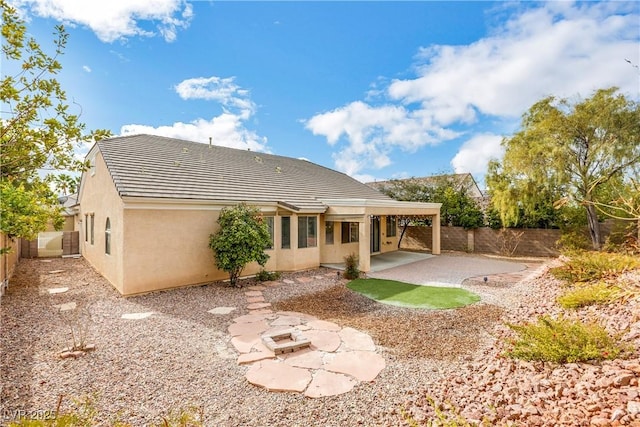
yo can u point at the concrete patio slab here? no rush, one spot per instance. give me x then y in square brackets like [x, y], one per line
[329, 384]
[388, 260]
[275, 376]
[448, 269]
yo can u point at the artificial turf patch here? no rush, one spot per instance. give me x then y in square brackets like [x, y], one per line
[413, 296]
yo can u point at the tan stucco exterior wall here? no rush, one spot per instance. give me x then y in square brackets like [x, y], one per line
[168, 248]
[158, 256]
[294, 258]
[100, 199]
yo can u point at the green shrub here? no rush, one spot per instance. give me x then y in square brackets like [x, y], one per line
[351, 270]
[573, 240]
[267, 276]
[580, 296]
[562, 341]
[589, 266]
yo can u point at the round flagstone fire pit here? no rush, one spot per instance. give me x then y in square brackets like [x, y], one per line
[295, 352]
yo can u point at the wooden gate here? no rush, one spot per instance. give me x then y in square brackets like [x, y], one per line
[70, 245]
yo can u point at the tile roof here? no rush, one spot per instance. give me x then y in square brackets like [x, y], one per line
[159, 167]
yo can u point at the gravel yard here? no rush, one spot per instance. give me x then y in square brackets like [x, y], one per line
[181, 356]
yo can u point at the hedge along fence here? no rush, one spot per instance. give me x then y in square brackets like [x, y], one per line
[512, 241]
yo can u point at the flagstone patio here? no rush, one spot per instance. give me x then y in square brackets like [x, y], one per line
[336, 360]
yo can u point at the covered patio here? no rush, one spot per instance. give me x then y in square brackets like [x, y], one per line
[367, 214]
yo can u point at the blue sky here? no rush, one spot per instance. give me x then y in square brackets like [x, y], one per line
[378, 90]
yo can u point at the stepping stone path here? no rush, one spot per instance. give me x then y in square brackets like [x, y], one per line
[137, 316]
[335, 362]
[66, 306]
[222, 310]
[57, 290]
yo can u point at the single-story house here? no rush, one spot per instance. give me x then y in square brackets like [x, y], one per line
[148, 205]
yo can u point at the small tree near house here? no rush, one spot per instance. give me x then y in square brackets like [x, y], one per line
[242, 238]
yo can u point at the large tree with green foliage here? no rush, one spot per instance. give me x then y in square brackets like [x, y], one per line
[38, 131]
[458, 208]
[241, 239]
[573, 153]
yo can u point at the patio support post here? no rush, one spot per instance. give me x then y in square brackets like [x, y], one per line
[364, 244]
[435, 234]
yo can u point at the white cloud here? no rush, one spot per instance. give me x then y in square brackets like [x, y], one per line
[86, 68]
[559, 48]
[474, 155]
[226, 130]
[373, 132]
[223, 90]
[117, 19]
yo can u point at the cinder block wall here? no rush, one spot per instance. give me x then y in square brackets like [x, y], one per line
[515, 242]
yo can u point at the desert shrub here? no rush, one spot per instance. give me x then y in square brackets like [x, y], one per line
[444, 415]
[562, 340]
[351, 270]
[597, 293]
[267, 276]
[84, 414]
[185, 417]
[573, 240]
[589, 266]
